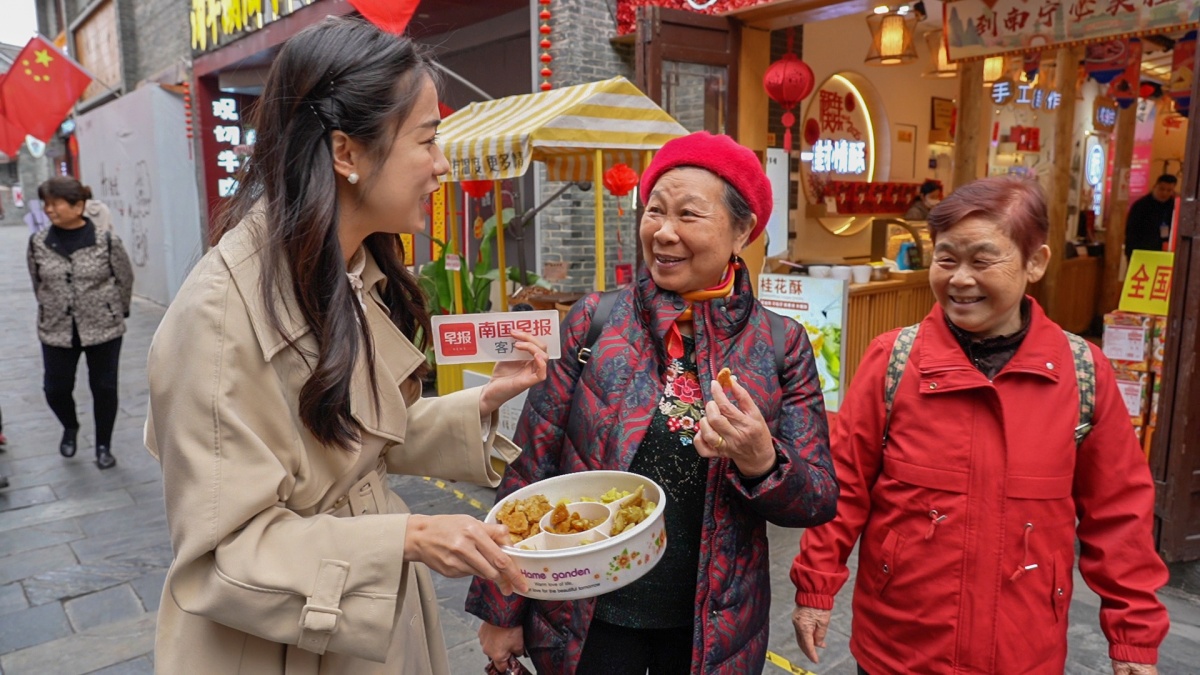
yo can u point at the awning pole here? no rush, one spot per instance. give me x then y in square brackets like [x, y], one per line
[455, 276]
[598, 188]
[500, 260]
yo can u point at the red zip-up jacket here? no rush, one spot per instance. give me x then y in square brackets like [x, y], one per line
[968, 517]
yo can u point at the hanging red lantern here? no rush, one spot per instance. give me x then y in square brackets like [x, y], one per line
[788, 81]
[477, 188]
[619, 180]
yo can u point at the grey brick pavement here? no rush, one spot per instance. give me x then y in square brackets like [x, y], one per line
[83, 553]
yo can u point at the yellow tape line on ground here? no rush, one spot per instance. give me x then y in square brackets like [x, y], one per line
[772, 657]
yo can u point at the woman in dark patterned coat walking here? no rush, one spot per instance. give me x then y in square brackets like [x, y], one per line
[647, 402]
[84, 284]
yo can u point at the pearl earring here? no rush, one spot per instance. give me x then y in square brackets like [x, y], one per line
[353, 178]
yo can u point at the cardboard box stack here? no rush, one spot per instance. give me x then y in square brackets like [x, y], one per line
[1133, 344]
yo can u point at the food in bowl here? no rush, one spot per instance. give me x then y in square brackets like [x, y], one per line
[631, 512]
[523, 516]
[591, 563]
[564, 521]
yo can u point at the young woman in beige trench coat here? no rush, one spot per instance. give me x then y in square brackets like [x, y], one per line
[284, 386]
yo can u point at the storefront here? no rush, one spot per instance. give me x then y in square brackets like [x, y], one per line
[1074, 101]
[473, 42]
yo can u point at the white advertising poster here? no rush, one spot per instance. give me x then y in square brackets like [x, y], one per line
[481, 338]
[777, 227]
[135, 155]
[820, 306]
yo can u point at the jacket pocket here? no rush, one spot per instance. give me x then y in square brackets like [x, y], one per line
[885, 567]
[1060, 592]
[933, 478]
[1040, 487]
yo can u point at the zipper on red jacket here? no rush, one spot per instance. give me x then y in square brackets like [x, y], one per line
[935, 519]
[1025, 566]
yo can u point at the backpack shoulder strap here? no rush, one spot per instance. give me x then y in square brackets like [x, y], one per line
[108, 241]
[897, 362]
[1085, 377]
[778, 338]
[599, 318]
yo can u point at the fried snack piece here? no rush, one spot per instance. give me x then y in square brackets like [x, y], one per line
[725, 377]
[564, 522]
[522, 516]
[632, 512]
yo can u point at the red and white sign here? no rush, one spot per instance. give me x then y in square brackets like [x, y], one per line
[480, 338]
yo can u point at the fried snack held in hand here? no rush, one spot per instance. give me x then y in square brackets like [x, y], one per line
[725, 377]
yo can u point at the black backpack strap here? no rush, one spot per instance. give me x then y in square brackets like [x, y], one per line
[108, 240]
[778, 339]
[600, 317]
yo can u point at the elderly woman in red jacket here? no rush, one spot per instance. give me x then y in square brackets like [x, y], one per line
[969, 501]
[647, 402]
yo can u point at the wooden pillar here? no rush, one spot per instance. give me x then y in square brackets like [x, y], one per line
[753, 58]
[1118, 208]
[972, 106]
[1067, 64]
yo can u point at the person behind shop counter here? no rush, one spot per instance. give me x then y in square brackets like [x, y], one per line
[285, 384]
[730, 460]
[1148, 226]
[928, 197]
[967, 501]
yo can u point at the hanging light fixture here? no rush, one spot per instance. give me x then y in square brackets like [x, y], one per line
[891, 38]
[993, 69]
[938, 56]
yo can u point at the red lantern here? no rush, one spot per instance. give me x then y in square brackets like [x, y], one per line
[477, 188]
[788, 81]
[620, 180]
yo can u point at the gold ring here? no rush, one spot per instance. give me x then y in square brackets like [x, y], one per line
[720, 442]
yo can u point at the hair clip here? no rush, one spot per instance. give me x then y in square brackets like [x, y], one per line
[320, 118]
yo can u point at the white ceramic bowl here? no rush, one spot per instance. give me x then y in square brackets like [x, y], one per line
[592, 569]
[819, 271]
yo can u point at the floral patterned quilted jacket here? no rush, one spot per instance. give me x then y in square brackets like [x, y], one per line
[594, 417]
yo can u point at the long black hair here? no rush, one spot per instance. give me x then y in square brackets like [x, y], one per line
[340, 74]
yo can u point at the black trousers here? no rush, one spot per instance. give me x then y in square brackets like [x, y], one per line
[103, 361]
[617, 650]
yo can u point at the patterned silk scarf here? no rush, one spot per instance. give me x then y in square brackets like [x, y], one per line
[674, 338]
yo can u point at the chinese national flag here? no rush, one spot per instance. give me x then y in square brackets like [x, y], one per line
[11, 137]
[389, 15]
[39, 90]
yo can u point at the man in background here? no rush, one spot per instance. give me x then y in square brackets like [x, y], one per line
[1148, 226]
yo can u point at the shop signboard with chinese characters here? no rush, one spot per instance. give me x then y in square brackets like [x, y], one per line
[229, 152]
[838, 139]
[977, 29]
[1148, 283]
[820, 306]
[216, 23]
[1104, 113]
[1005, 91]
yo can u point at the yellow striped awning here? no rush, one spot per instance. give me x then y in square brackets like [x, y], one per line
[561, 127]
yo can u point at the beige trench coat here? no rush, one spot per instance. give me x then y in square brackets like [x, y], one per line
[289, 554]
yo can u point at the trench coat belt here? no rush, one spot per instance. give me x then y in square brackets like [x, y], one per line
[368, 495]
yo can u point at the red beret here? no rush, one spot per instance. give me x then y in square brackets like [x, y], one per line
[722, 155]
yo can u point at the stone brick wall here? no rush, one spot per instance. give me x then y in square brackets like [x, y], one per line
[583, 53]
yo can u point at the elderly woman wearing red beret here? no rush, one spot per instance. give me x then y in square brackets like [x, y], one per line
[647, 402]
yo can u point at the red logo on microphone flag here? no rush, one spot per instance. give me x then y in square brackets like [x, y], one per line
[40, 88]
